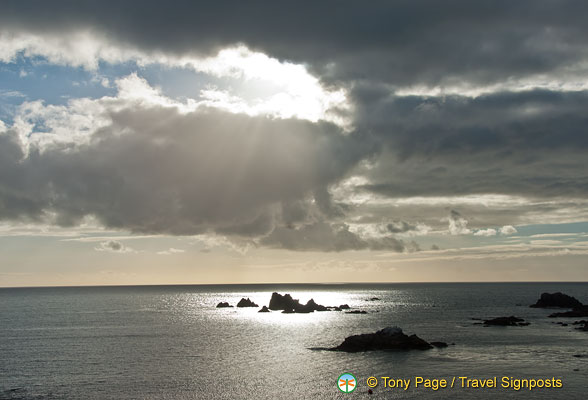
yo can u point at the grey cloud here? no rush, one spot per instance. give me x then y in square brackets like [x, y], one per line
[400, 227]
[324, 236]
[530, 143]
[400, 42]
[156, 170]
[113, 246]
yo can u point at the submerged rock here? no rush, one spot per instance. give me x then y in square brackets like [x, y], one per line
[356, 312]
[577, 312]
[439, 345]
[560, 300]
[505, 321]
[264, 309]
[223, 304]
[390, 338]
[245, 302]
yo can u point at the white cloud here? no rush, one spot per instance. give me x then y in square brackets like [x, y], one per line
[485, 232]
[508, 230]
[297, 93]
[170, 251]
[458, 225]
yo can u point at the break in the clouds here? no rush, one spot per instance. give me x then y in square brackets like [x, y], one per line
[328, 126]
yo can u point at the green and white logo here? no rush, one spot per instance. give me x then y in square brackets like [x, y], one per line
[346, 383]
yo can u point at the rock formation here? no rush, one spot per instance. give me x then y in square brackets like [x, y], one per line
[245, 302]
[560, 300]
[391, 338]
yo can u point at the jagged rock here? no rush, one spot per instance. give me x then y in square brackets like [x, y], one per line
[290, 305]
[391, 338]
[577, 312]
[311, 306]
[264, 309]
[439, 345]
[223, 304]
[356, 312]
[560, 300]
[285, 302]
[245, 302]
[505, 321]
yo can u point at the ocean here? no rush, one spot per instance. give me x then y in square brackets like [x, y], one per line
[171, 342]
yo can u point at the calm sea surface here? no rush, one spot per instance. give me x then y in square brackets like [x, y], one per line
[170, 342]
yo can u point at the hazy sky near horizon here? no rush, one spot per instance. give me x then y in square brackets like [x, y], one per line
[331, 141]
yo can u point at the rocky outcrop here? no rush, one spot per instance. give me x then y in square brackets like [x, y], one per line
[583, 325]
[577, 312]
[391, 338]
[439, 345]
[290, 305]
[245, 302]
[356, 312]
[344, 307]
[559, 300]
[264, 309]
[223, 304]
[505, 321]
[285, 302]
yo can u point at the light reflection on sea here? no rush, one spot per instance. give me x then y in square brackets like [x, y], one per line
[171, 342]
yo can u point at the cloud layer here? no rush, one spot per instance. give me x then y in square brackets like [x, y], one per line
[477, 108]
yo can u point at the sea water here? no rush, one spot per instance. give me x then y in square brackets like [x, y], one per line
[171, 342]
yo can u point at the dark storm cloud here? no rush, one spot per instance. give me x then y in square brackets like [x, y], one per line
[400, 42]
[530, 143]
[157, 170]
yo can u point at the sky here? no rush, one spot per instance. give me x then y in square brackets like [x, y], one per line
[267, 142]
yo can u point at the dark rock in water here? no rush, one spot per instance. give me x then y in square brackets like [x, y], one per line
[583, 327]
[374, 299]
[439, 345]
[391, 338]
[356, 312]
[577, 312]
[311, 306]
[344, 307]
[336, 309]
[264, 309]
[285, 302]
[560, 300]
[290, 305]
[223, 304]
[245, 302]
[505, 321]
